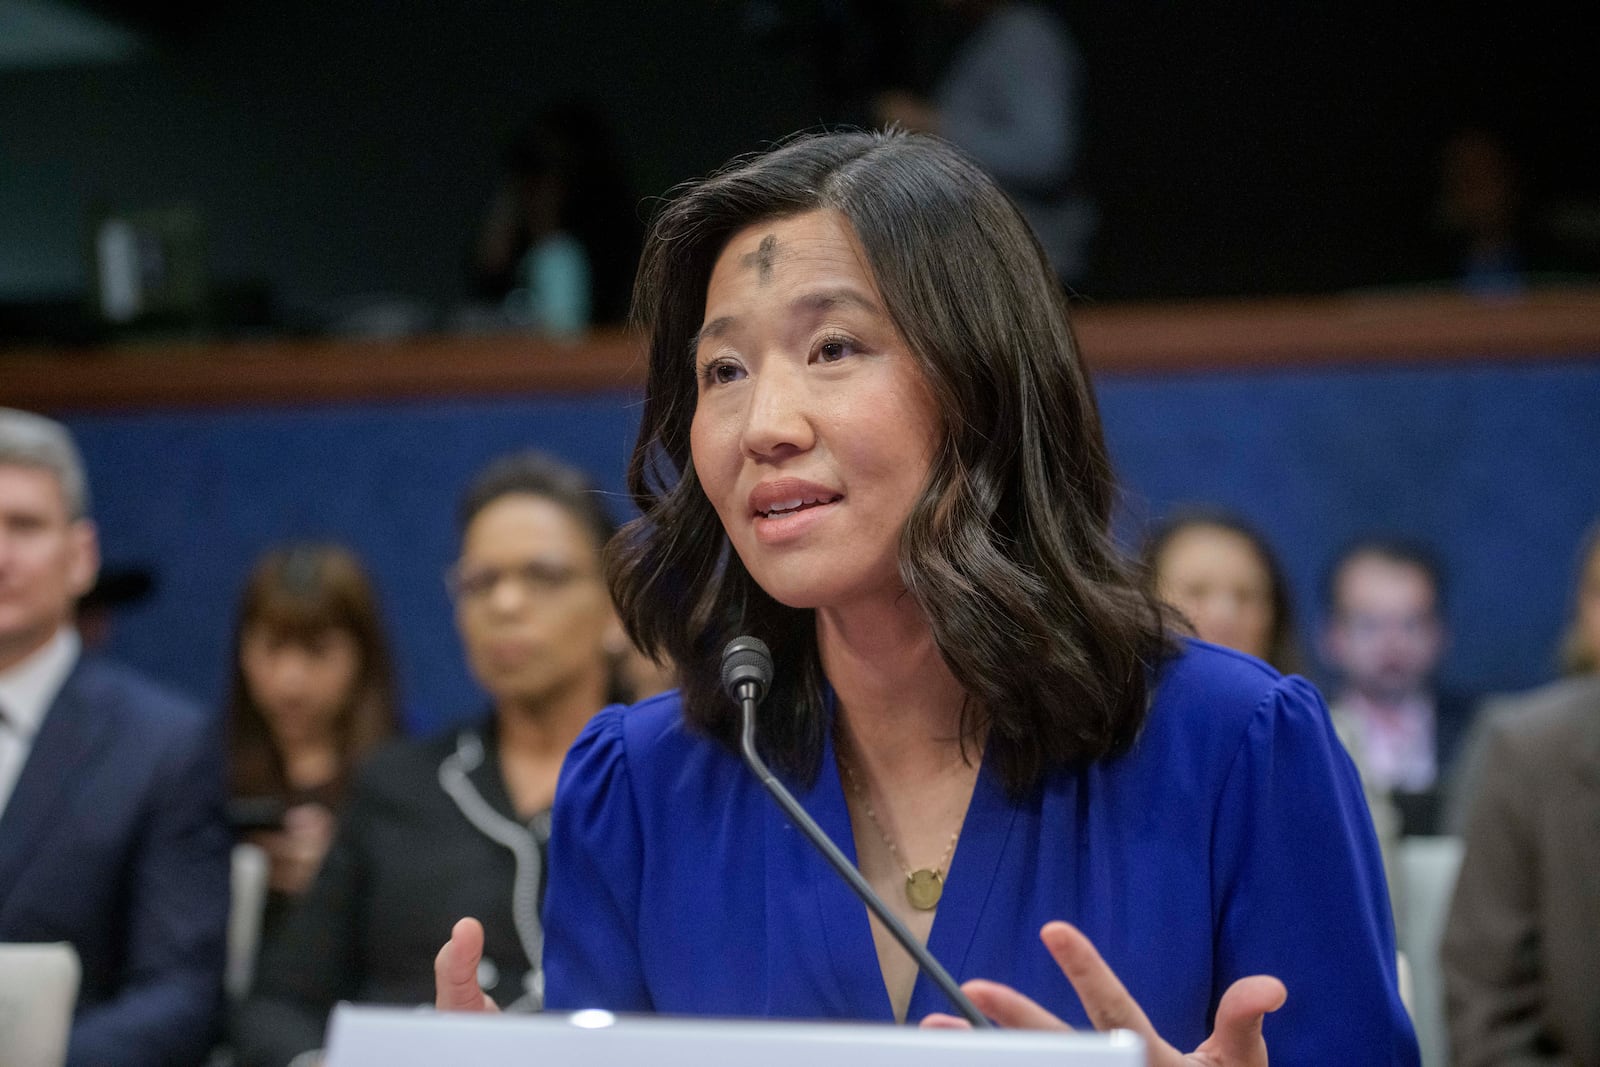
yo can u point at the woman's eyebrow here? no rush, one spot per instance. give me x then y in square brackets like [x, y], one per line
[843, 296]
[819, 302]
[713, 329]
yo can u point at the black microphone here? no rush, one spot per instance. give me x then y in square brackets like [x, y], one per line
[746, 677]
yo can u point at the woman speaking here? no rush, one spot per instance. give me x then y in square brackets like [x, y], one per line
[869, 440]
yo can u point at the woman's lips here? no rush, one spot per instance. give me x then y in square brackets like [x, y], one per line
[786, 508]
[782, 495]
[509, 655]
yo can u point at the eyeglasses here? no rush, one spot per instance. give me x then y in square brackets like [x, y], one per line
[471, 583]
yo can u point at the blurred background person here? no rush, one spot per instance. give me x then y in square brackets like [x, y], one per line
[1521, 948]
[1579, 659]
[556, 248]
[458, 824]
[528, 258]
[1221, 574]
[1481, 214]
[1011, 97]
[312, 694]
[112, 835]
[1384, 638]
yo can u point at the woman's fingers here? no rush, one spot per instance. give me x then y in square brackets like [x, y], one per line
[1235, 1042]
[1105, 999]
[1009, 1008]
[1236, 1039]
[940, 1021]
[455, 970]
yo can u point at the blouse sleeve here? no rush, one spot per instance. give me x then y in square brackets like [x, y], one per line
[1298, 889]
[592, 898]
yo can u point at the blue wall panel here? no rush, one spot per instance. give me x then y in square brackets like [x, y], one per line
[1498, 467]
[200, 496]
[1495, 464]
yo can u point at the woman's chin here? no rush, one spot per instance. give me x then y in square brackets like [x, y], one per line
[801, 598]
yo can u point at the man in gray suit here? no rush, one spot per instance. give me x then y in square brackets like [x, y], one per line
[1521, 949]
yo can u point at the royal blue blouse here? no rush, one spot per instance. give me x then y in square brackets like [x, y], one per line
[1231, 840]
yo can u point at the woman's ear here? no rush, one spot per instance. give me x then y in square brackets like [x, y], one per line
[614, 639]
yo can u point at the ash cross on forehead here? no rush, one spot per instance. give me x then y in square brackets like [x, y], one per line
[762, 257]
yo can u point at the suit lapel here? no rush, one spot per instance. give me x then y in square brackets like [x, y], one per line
[70, 732]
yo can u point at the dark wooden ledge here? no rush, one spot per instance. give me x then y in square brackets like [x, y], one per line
[1349, 330]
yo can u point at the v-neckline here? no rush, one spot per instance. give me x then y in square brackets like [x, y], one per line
[845, 921]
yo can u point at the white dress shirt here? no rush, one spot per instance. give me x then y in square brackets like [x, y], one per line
[26, 692]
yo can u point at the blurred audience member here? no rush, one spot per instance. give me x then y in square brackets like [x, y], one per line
[1011, 98]
[556, 250]
[1521, 948]
[1579, 660]
[112, 828]
[1385, 637]
[536, 621]
[1222, 576]
[312, 693]
[1481, 212]
[527, 255]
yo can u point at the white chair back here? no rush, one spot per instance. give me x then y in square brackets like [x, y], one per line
[1429, 866]
[249, 884]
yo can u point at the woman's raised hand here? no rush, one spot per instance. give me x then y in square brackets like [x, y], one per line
[455, 970]
[1235, 1042]
[295, 852]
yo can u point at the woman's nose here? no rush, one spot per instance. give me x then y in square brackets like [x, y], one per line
[778, 419]
[508, 596]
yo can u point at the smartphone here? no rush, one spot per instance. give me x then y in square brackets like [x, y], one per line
[256, 813]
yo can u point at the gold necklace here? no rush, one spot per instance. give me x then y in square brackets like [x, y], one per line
[925, 885]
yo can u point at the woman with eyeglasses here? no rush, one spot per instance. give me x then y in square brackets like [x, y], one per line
[458, 824]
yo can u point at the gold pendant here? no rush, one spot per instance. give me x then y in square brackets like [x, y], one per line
[924, 888]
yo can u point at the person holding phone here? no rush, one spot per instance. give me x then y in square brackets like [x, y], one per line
[458, 822]
[312, 694]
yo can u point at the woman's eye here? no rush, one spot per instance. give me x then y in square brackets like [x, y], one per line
[721, 372]
[833, 350]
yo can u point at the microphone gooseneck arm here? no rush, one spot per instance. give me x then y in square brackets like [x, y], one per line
[748, 693]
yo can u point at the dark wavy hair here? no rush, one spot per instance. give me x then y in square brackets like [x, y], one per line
[1008, 550]
[1283, 652]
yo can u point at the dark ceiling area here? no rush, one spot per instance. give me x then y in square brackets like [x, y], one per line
[162, 18]
[1232, 148]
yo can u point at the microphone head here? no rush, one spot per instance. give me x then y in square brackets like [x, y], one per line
[746, 659]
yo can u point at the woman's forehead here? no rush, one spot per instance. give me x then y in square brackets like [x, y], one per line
[768, 259]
